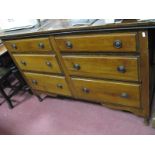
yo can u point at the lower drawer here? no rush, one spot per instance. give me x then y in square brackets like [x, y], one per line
[48, 83]
[125, 94]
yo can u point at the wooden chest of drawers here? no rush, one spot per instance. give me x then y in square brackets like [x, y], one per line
[111, 68]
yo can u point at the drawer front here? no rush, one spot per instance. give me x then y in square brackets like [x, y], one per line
[40, 63]
[48, 83]
[111, 67]
[109, 92]
[29, 45]
[120, 42]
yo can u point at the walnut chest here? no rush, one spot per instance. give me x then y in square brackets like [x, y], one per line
[113, 67]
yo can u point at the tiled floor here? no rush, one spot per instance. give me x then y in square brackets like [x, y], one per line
[66, 116]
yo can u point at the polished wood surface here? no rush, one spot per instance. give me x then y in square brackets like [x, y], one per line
[30, 45]
[65, 26]
[97, 43]
[66, 73]
[37, 63]
[145, 73]
[106, 91]
[48, 83]
[103, 66]
[109, 66]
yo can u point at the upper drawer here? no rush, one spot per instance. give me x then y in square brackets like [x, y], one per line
[41, 63]
[111, 67]
[29, 45]
[48, 83]
[116, 42]
[120, 93]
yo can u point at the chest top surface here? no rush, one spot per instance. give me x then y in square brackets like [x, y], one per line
[58, 27]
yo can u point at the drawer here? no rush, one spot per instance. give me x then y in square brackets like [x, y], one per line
[29, 45]
[48, 83]
[120, 93]
[110, 67]
[40, 63]
[117, 42]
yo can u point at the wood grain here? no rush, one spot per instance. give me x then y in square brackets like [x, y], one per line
[97, 42]
[103, 66]
[145, 73]
[107, 91]
[30, 45]
[37, 63]
[48, 83]
[63, 67]
[98, 59]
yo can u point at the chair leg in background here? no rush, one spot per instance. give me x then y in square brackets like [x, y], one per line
[7, 98]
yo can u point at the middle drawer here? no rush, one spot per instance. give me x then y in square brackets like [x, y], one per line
[40, 63]
[110, 67]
